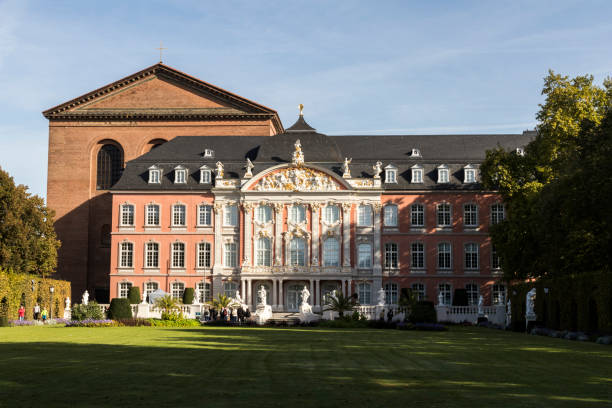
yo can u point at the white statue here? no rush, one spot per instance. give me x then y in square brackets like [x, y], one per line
[238, 298]
[219, 170]
[530, 304]
[85, 299]
[68, 303]
[298, 156]
[262, 295]
[196, 296]
[440, 299]
[334, 294]
[345, 167]
[381, 297]
[480, 306]
[249, 167]
[305, 295]
[377, 169]
[509, 307]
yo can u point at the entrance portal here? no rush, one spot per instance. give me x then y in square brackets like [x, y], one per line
[294, 297]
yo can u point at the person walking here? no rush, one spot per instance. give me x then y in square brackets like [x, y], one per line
[36, 311]
[240, 314]
[44, 314]
[21, 312]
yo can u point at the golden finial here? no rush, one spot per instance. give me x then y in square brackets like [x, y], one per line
[301, 106]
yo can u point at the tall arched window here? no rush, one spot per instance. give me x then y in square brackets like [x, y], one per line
[331, 252]
[297, 252]
[263, 252]
[110, 165]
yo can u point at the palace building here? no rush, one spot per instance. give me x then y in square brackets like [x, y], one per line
[183, 184]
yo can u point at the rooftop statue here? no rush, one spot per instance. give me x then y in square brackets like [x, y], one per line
[298, 155]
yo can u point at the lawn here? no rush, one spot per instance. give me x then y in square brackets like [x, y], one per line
[301, 367]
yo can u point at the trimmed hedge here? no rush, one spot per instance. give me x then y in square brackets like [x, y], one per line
[134, 295]
[16, 289]
[89, 311]
[119, 309]
[188, 296]
[423, 312]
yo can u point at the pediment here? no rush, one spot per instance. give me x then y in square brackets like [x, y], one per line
[296, 179]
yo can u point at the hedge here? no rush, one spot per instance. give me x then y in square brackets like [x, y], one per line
[582, 302]
[188, 296]
[17, 289]
[134, 295]
[119, 309]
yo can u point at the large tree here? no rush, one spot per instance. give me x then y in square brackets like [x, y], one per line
[533, 184]
[27, 239]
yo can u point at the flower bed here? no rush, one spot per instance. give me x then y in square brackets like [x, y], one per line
[92, 323]
[49, 322]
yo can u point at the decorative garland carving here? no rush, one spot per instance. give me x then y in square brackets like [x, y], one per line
[296, 179]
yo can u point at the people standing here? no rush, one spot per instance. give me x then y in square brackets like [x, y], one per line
[21, 312]
[240, 314]
[390, 315]
[44, 314]
[36, 311]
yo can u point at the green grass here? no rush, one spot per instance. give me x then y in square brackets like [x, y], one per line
[215, 367]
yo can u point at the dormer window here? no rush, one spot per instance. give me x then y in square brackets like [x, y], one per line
[520, 151]
[417, 174]
[209, 153]
[443, 174]
[415, 153]
[469, 174]
[180, 175]
[390, 174]
[205, 175]
[154, 175]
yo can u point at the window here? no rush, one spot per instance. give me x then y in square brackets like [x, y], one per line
[390, 174]
[444, 215]
[110, 166]
[127, 214]
[331, 213]
[364, 215]
[152, 215]
[495, 261]
[231, 255]
[178, 255]
[443, 174]
[471, 256]
[209, 153]
[149, 288]
[497, 213]
[205, 175]
[229, 289]
[472, 293]
[418, 255]
[418, 289]
[297, 252]
[470, 215]
[499, 294]
[444, 255]
[447, 296]
[230, 216]
[177, 289]
[415, 152]
[263, 213]
[390, 215]
[297, 213]
[469, 174]
[331, 252]
[180, 175]
[124, 289]
[263, 252]
[391, 293]
[417, 174]
[417, 215]
[154, 175]
[126, 255]
[152, 255]
[178, 215]
[204, 215]
[364, 293]
[364, 256]
[203, 292]
[391, 255]
[203, 254]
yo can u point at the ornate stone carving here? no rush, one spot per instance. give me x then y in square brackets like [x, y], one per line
[346, 169]
[298, 155]
[315, 206]
[377, 169]
[278, 207]
[362, 182]
[376, 207]
[249, 167]
[218, 207]
[346, 207]
[296, 179]
[248, 206]
[219, 170]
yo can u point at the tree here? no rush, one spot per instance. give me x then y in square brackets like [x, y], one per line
[28, 243]
[525, 182]
[167, 304]
[340, 303]
[223, 301]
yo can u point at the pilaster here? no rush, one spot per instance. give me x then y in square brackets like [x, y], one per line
[346, 235]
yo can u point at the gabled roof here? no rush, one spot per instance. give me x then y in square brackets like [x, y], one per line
[236, 107]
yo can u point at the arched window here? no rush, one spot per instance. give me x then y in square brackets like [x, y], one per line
[297, 252]
[364, 256]
[364, 215]
[110, 166]
[263, 252]
[390, 215]
[263, 213]
[331, 252]
[177, 289]
[297, 213]
[229, 289]
[391, 293]
[331, 213]
[364, 292]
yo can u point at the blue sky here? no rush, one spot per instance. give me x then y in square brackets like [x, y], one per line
[359, 67]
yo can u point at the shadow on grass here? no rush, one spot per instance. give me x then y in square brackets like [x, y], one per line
[304, 367]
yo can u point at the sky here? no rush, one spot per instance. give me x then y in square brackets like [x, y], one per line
[359, 67]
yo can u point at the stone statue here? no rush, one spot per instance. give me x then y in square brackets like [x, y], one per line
[262, 295]
[377, 169]
[334, 294]
[68, 303]
[509, 307]
[196, 297]
[530, 304]
[85, 299]
[345, 167]
[381, 297]
[249, 167]
[298, 156]
[219, 170]
[480, 306]
[305, 295]
[238, 298]
[441, 299]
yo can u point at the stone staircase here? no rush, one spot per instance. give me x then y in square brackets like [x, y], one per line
[284, 318]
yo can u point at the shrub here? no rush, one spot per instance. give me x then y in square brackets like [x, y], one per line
[134, 322]
[134, 295]
[423, 312]
[93, 323]
[180, 322]
[88, 311]
[120, 309]
[188, 296]
[460, 297]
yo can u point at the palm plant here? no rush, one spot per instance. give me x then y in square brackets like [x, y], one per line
[167, 304]
[340, 303]
[222, 301]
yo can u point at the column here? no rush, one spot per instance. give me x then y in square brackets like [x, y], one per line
[218, 208]
[278, 241]
[377, 264]
[346, 234]
[281, 302]
[243, 290]
[315, 232]
[249, 294]
[318, 293]
[274, 294]
[312, 292]
[248, 232]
